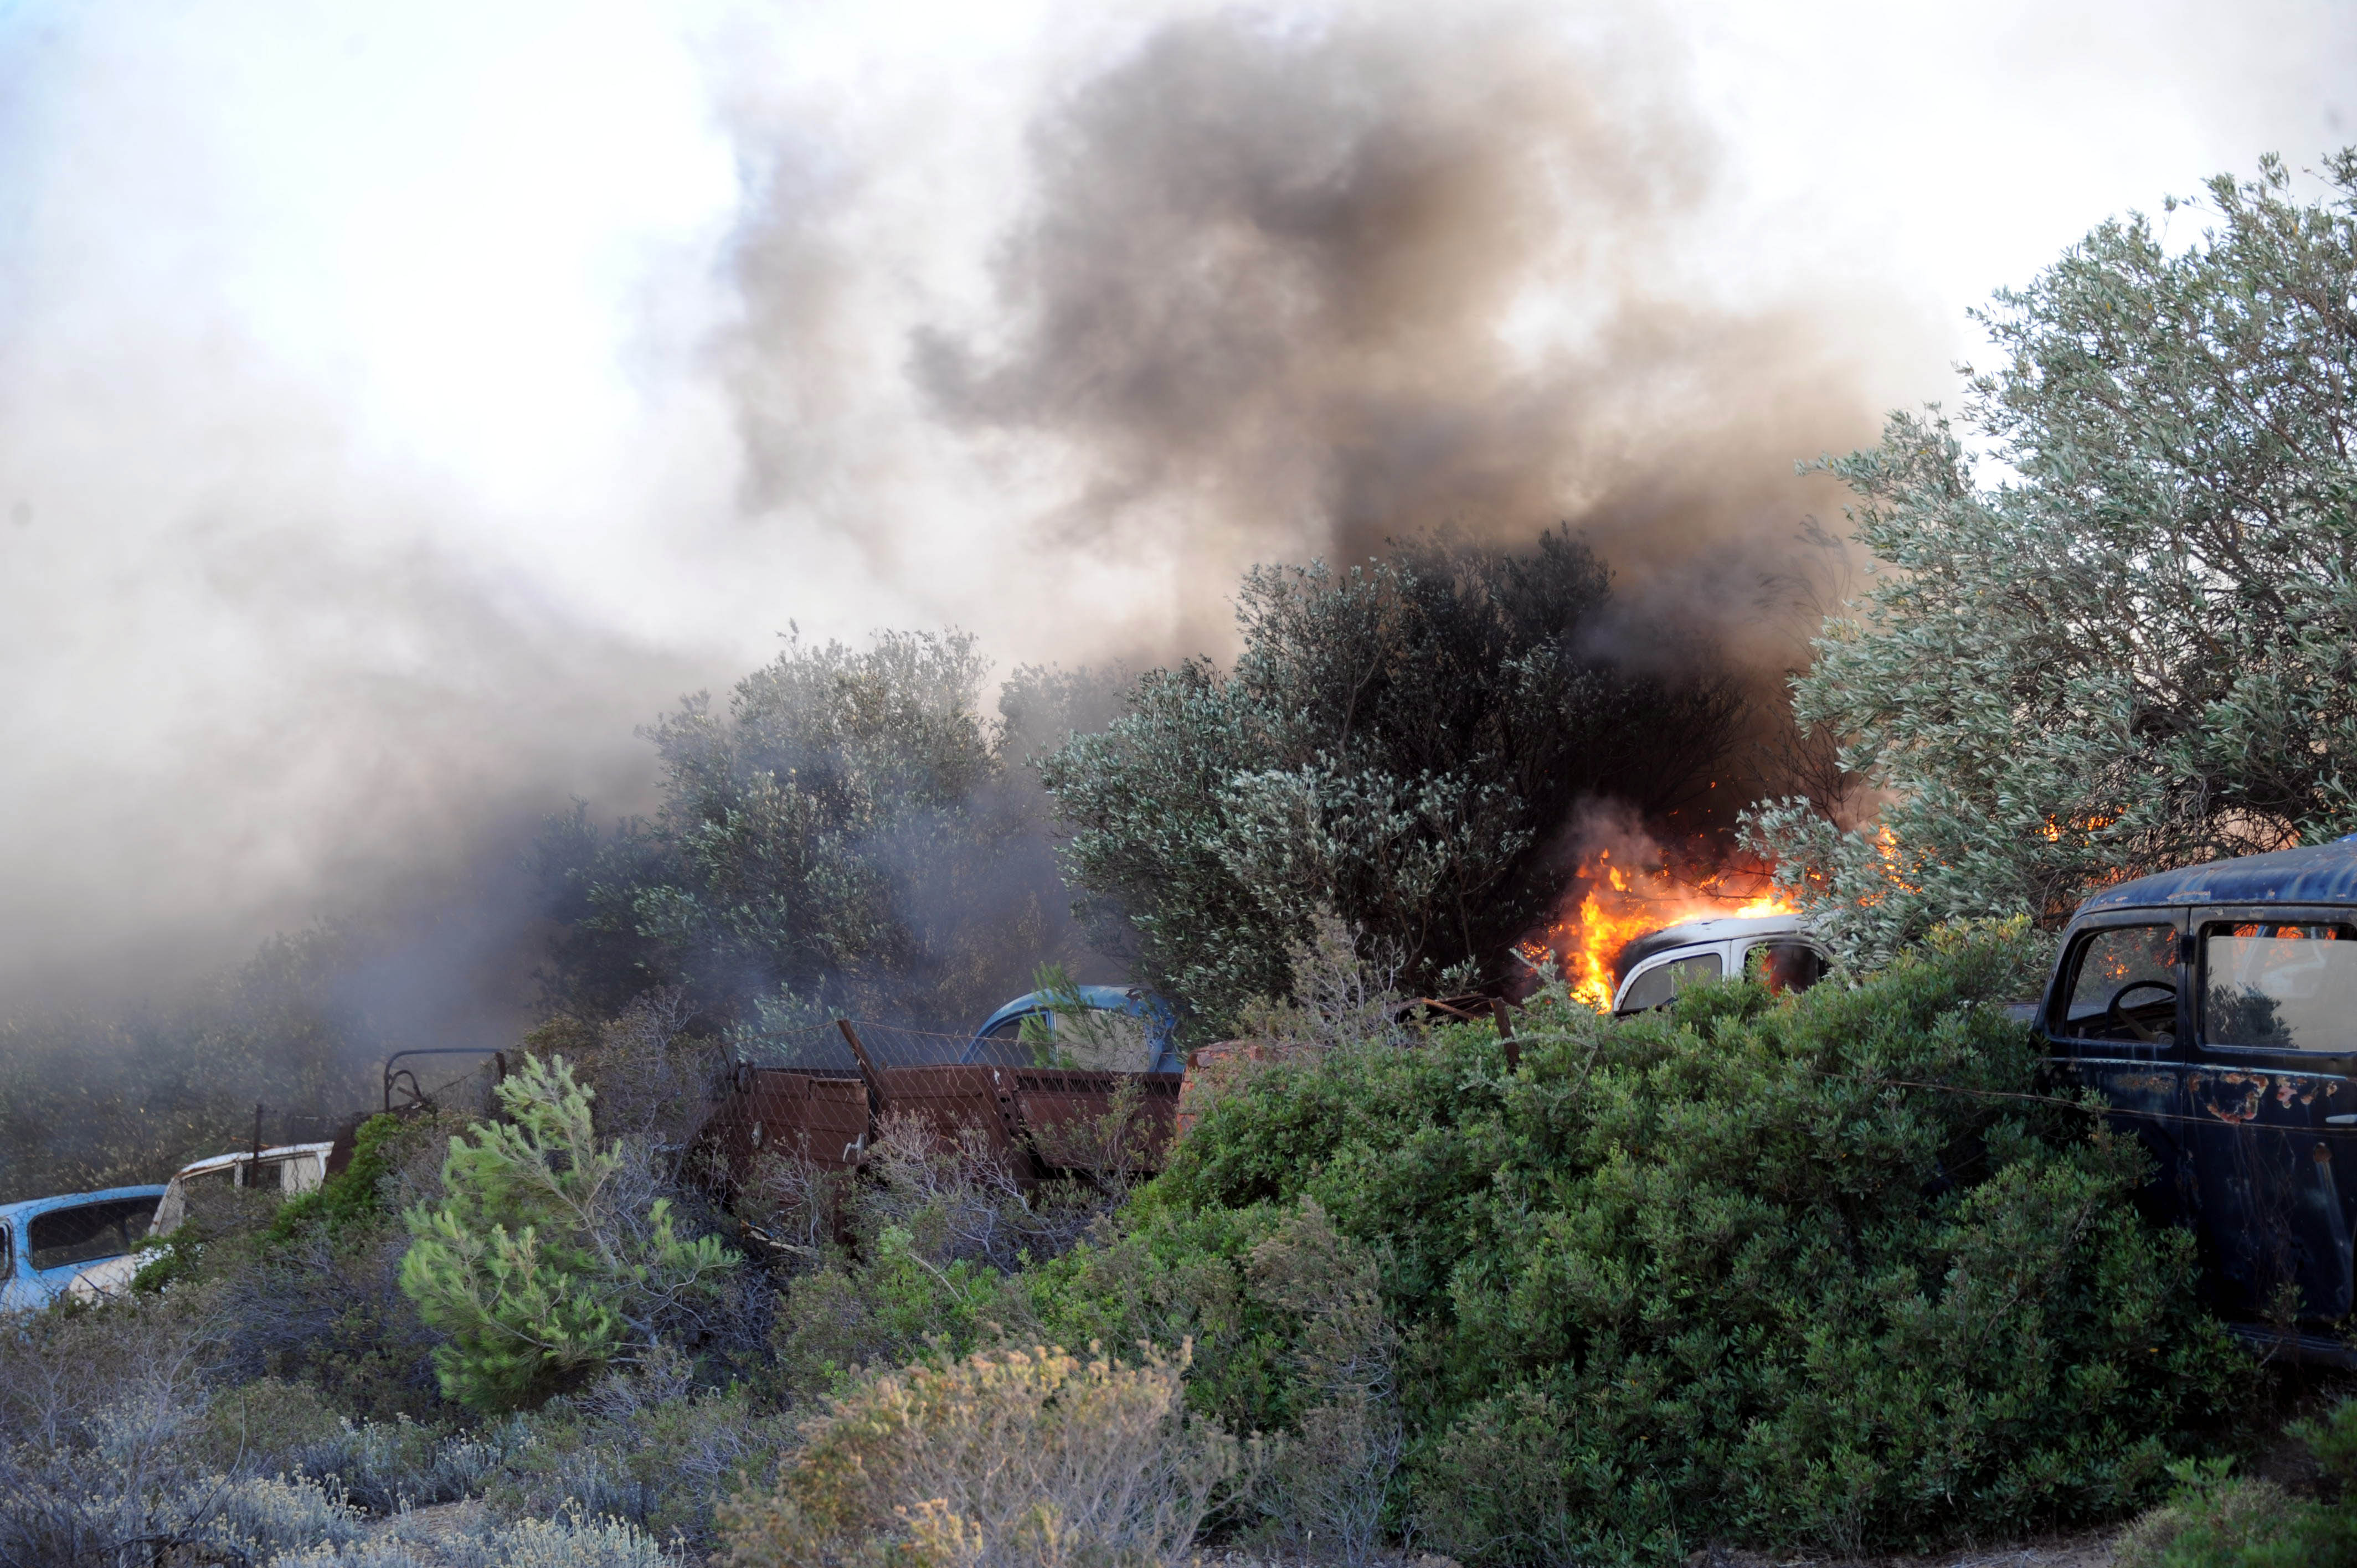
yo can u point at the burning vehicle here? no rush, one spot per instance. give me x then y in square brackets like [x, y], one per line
[47, 1244]
[2216, 1009]
[1636, 928]
[1653, 969]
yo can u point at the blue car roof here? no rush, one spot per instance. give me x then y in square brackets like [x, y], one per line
[2319, 873]
[1161, 1022]
[26, 1208]
[1104, 998]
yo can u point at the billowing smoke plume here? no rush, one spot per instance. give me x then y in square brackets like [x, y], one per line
[1287, 287]
[394, 414]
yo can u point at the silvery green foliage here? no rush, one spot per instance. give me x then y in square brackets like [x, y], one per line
[2128, 640]
[1396, 744]
[848, 834]
[572, 1541]
[385, 1466]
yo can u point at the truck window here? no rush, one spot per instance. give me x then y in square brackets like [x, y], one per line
[2124, 986]
[88, 1232]
[2291, 987]
[1659, 985]
[7, 1253]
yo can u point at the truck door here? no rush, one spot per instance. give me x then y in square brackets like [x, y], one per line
[2117, 1013]
[2274, 1105]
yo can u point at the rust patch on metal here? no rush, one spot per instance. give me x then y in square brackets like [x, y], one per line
[2254, 1090]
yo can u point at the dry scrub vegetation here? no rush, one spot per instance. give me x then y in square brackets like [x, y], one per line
[1724, 1276]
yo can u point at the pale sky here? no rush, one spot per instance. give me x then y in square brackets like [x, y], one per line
[379, 385]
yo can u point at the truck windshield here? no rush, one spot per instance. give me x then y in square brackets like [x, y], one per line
[2124, 987]
[2291, 987]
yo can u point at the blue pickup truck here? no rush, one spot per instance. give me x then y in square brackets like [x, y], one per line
[46, 1242]
[2215, 1008]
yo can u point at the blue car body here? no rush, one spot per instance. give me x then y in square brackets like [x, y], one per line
[998, 1038]
[46, 1242]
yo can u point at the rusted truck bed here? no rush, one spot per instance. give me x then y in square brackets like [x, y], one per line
[1043, 1121]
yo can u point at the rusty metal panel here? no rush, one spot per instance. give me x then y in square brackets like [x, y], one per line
[1063, 1110]
[956, 1097]
[821, 1117]
[2259, 1164]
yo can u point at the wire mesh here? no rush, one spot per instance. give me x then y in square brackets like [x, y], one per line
[822, 1092]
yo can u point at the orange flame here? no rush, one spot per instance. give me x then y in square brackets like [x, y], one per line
[1618, 906]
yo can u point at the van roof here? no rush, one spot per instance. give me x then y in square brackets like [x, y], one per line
[1639, 948]
[239, 1157]
[2318, 874]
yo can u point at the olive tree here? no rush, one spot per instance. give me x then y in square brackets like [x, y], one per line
[846, 834]
[2111, 625]
[1396, 743]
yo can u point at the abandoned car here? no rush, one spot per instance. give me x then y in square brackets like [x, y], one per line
[2215, 1008]
[47, 1243]
[1653, 969]
[285, 1170]
[1119, 1028]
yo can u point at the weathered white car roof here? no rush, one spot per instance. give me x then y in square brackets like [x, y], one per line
[276, 1152]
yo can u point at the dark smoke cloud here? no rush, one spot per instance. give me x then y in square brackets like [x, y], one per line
[1291, 289]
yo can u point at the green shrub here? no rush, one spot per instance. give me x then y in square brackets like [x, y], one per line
[1736, 1272]
[549, 1255]
[262, 1426]
[352, 1197]
[1005, 1457]
[2216, 1520]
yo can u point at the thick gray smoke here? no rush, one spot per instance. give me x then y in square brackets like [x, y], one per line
[365, 479]
[1288, 287]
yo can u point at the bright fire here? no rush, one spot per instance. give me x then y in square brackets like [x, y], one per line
[1620, 904]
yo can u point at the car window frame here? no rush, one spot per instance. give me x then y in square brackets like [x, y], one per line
[130, 1242]
[1717, 950]
[2055, 1018]
[1745, 946]
[2198, 933]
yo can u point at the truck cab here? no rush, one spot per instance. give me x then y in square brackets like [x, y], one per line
[1653, 969]
[2215, 1008]
[46, 1243]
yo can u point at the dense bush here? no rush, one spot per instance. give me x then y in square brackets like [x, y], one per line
[1398, 744]
[2217, 1519]
[1004, 1458]
[1738, 1272]
[644, 1445]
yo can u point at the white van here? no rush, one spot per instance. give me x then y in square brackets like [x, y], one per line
[1653, 968]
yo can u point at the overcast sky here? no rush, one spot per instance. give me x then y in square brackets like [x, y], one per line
[398, 405]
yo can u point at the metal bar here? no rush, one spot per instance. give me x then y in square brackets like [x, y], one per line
[429, 1051]
[866, 1068]
[1506, 1033]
